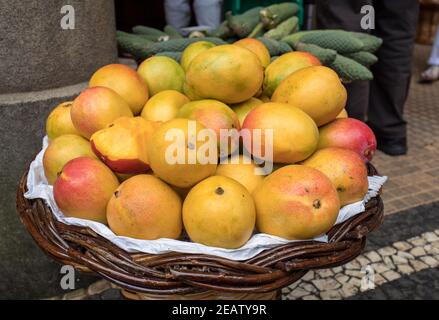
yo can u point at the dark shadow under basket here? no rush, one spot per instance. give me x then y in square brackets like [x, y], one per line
[180, 274]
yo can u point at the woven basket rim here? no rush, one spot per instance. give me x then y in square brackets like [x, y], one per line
[181, 273]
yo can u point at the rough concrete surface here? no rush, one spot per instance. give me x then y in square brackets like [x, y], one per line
[36, 53]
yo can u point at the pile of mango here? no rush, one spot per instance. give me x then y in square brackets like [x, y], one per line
[223, 144]
[350, 54]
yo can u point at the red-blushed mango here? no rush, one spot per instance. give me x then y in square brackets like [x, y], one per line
[161, 73]
[59, 121]
[193, 50]
[170, 153]
[144, 207]
[242, 109]
[164, 105]
[257, 47]
[343, 114]
[219, 212]
[83, 189]
[215, 115]
[122, 146]
[350, 134]
[285, 65]
[345, 169]
[316, 90]
[95, 108]
[124, 81]
[296, 202]
[242, 169]
[295, 135]
[227, 73]
[61, 150]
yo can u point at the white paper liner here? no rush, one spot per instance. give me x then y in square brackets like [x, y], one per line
[39, 188]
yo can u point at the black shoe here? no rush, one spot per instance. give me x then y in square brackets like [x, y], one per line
[392, 147]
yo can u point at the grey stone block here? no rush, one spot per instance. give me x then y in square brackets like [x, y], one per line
[36, 53]
[25, 271]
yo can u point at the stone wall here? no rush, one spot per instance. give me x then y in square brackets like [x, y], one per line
[36, 53]
[41, 65]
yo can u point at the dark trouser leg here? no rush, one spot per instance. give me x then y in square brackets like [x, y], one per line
[395, 23]
[346, 14]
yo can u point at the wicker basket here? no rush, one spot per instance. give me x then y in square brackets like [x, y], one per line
[178, 275]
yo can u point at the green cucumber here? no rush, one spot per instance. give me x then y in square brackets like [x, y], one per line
[350, 70]
[363, 57]
[283, 29]
[325, 56]
[148, 31]
[338, 40]
[243, 24]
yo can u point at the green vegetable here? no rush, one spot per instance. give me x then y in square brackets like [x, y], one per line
[223, 31]
[274, 47]
[244, 23]
[273, 15]
[338, 40]
[172, 32]
[133, 44]
[142, 48]
[363, 57]
[283, 29]
[370, 42]
[350, 70]
[294, 38]
[148, 31]
[176, 55]
[325, 56]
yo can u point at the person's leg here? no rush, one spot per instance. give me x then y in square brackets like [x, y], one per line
[208, 12]
[396, 25]
[346, 15]
[434, 55]
[178, 13]
[432, 72]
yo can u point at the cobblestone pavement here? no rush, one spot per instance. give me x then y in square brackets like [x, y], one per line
[401, 259]
[413, 177]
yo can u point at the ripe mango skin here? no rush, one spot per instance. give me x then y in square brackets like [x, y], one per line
[193, 50]
[125, 81]
[164, 106]
[285, 65]
[83, 189]
[161, 73]
[59, 121]
[182, 175]
[219, 212]
[144, 207]
[317, 90]
[296, 202]
[257, 47]
[345, 169]
[350, 134]
[295, 135]
[227, 73]
[61, 150]
[95, 108]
